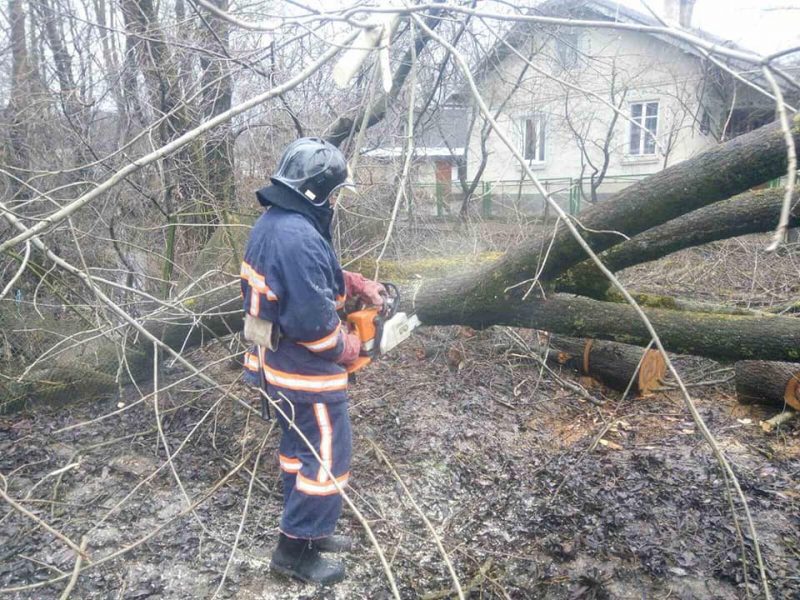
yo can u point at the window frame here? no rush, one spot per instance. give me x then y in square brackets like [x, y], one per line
[567, 48]
[705, 122]
[643, 131]
[540, 129]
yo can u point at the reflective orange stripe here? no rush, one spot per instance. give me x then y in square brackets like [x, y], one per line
[314, 488]
[250, 361]
[306, 383]
[325, 441]
[325, 343]
[255, 301]
[290, 465]
[340, 300]
[256, 282]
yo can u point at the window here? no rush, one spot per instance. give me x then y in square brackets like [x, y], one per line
[705, 122]
[531, 131]
[567, 48]
[743, 120]
[644, 128]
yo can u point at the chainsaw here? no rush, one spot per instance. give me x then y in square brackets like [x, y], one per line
[380, 329]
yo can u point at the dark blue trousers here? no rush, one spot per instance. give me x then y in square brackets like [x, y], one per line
[311, 502]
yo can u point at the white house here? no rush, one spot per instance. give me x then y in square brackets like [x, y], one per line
[554, 90]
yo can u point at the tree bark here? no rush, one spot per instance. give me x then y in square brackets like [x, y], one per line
[755, 211]
[776, 383]
[723, 337]
[719, 173]
[17, 155]
[217, 97]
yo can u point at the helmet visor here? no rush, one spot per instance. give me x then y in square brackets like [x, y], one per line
[348, 184]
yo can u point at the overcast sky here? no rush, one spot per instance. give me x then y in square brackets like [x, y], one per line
[760, 25]
[763, 26]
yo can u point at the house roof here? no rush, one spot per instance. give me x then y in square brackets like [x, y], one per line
[441, 135]
[447, 128]
[606, 10]
[617, 12]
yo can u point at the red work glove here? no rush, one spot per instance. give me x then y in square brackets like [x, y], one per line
[367, 290]
[352, 348]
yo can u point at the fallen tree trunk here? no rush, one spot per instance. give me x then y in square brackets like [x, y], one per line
[723, 337]
[755, 211]
[761, 382]
[614, 365]
[101, 365]
[493, 294]
[218, 313]
[719, 173]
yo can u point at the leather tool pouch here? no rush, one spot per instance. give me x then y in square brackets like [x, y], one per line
[261, 332]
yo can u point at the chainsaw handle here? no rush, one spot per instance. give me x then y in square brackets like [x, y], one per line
[392, 301]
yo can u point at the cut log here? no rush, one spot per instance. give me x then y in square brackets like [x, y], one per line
[612, 364]
[761, 382]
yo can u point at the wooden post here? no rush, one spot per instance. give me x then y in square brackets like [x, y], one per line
[486, 200]
[439, 199]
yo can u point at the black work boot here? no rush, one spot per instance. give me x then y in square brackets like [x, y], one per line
[301, 559]
[334, 543]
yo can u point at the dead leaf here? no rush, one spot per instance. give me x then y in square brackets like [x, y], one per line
[611, 445]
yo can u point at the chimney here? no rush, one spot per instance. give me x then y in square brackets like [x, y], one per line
[687, 6]
[679, 11]
[671, 10]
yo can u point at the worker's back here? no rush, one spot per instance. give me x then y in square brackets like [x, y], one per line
[291, 277]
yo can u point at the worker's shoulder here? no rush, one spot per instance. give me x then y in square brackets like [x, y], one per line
[293, 227]
[293, 232]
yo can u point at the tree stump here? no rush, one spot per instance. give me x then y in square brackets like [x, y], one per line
[762, 382]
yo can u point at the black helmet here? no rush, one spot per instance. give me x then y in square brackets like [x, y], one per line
[313, 168]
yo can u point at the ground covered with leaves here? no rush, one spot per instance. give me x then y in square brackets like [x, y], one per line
[536, 488]
[535, 491]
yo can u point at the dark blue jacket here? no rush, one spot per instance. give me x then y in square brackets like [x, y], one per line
[291, 276]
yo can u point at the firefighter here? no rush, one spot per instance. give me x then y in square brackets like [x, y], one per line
[293, 288]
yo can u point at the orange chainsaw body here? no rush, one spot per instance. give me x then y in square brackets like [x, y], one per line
[363, 323]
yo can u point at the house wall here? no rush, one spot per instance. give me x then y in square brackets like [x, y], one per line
[640, 66]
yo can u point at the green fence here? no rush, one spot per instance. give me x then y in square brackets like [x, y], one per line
[504, 198]
[500, 198]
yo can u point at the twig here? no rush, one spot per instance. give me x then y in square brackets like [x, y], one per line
[145, 538]
[75, 572]
[401, 185]
[473, 583]
[791, 154]
[782, 418]
[24, 511]
[244, 513]
[437, 540]
[19, 272]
